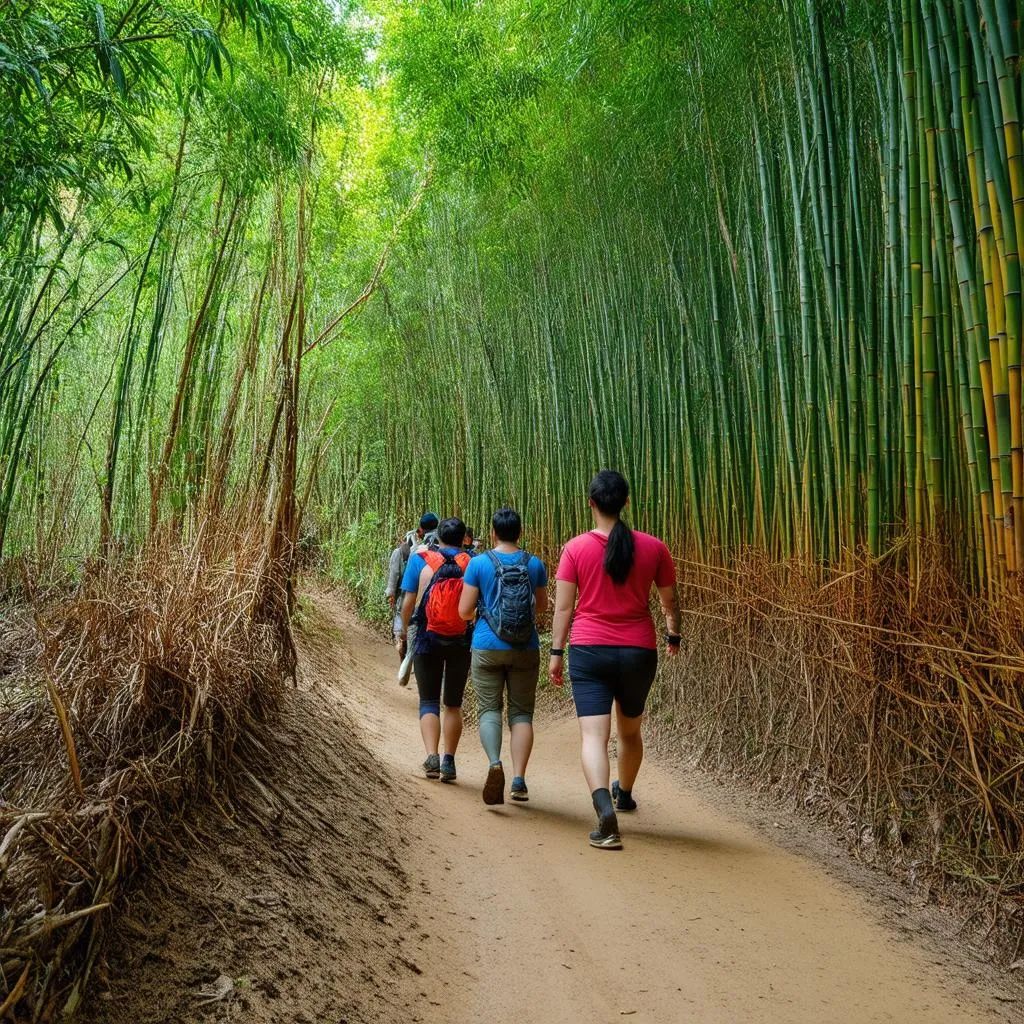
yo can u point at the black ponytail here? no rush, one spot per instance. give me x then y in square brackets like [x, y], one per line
[618, 556]
[609, 491]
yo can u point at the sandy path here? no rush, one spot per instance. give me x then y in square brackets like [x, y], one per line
[697, 919]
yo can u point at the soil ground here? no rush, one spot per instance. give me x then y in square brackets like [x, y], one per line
[344, 887]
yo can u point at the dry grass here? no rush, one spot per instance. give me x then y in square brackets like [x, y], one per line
[123, 714]
[903, 712]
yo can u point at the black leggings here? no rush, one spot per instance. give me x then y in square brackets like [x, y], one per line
[444, 666]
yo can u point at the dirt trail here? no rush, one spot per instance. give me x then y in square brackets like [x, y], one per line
[463, 913]
[697, 919]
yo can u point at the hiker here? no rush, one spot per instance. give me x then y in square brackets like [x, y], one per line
[470, 544]
[429, 539]
[433, 586]
[509, 588]
[606, 575]
[396, 570]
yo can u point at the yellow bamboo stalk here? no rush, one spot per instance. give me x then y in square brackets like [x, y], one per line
[998, 343]
[1015, 174]
[989, 372]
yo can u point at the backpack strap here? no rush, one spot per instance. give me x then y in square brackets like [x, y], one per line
[481, 607]
[435, 559]
[500, 566]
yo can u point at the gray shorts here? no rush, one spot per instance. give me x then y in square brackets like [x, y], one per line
[494, 672]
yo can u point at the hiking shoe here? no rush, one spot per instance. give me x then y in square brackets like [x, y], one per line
[606, 835]
[432, 766]
[605, 840]
[494, 787]
[519, 791]
[447, 770]
[623, 801]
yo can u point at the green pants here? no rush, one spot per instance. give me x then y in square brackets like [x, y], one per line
[517, 671]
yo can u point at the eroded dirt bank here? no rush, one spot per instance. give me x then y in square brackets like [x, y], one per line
[350, 889]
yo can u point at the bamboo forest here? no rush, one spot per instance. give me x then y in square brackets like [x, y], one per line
[279, 276]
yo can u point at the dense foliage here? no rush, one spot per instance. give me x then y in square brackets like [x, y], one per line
[763, 257]
[160, 196]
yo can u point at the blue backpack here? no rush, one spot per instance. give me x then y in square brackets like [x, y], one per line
[514, 612]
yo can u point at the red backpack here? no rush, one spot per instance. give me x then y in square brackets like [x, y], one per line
[439, 608]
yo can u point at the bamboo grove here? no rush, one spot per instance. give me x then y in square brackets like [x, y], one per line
[159, 184]
[276, 275]
[763, 258]
[779, 284]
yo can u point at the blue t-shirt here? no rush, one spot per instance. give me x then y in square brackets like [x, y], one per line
[416, 564]
[480, 573]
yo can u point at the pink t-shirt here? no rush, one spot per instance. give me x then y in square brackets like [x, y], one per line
[610, 614]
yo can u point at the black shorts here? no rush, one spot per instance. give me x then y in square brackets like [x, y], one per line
[601, 675]
[444, 667]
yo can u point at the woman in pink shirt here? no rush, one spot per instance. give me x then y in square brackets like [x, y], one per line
[606, 576]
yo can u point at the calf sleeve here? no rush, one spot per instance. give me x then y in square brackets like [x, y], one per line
[490, 735]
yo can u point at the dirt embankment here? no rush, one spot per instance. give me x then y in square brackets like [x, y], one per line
[348, 888]
[293, 906]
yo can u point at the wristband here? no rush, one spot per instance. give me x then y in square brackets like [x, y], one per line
[557, 652]
[673, 639]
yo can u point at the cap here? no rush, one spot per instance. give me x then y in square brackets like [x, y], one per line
[428, 521]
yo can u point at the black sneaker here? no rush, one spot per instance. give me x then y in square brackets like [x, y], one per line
[494, 787]
[622, 802]
[447, 768]
[606, 835]
[432, 766]
[605, 840]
